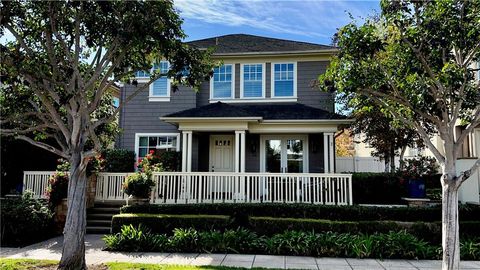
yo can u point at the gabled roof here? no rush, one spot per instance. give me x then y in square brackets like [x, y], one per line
[242, 43]
[293, 111]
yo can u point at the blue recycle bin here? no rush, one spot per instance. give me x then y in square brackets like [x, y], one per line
[416, 188]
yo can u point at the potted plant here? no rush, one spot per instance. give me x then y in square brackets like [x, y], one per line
[138, 186]
[414, 170]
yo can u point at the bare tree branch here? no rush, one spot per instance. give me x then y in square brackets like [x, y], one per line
[43, 146]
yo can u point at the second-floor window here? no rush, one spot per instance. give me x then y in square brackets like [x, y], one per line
[283, 80]
[221, 86]
[161, 87]
[252, 85]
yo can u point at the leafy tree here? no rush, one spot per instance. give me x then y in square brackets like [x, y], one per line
[344, 144]
[415, 63]
[57, 70]
[384, 134]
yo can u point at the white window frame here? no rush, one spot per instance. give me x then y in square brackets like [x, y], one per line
[283, 138]
[232, 85]
[151, 96]
[138, 135]
[242, 80]
[272, 84]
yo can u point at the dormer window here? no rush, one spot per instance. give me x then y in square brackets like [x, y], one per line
[252, 84]
[222, 83]
[284, 80]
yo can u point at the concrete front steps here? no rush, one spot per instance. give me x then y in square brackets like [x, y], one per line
[99, 217]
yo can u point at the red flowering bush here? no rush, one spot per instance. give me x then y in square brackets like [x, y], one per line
[421, 166]
[150, 163]
[57, 189]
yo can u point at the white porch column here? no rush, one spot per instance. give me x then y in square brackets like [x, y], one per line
[189, 151]
[328, 152]
[184, 151]
[325, 153]
[237, 149]
[332, 153]
[242, 151]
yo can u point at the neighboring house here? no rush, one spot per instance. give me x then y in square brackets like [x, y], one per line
[258, 113]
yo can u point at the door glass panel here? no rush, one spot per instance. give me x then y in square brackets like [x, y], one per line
[294, 156]
[273, 156]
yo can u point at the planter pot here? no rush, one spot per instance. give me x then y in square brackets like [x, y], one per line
[133, 200]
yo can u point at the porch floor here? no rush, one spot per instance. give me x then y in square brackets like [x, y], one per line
[51, 249]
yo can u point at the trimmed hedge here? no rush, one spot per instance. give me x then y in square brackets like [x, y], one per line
[157, 223]
[166, 223]
[339, 213]
[378, 188]
[119, 160]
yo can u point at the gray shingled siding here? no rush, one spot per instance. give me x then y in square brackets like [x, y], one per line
[142, 116]
[252, 158]
[306, 73]
[315, 153]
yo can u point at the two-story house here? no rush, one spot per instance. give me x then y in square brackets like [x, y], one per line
[258, 113]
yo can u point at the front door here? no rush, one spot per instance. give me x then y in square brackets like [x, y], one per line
[221, 153]
[284, 154]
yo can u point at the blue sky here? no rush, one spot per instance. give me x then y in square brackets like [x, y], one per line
[310, 21]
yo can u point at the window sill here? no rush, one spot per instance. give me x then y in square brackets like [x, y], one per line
[159, 99]
[254, 100]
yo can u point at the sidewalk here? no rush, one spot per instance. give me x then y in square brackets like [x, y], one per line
[51, 249]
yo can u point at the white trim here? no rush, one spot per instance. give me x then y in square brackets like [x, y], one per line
[158, 99]
[242, 151]
[138, 135]
[255, 100]
[264, 76]
[283, 138]
[210, 119]
[232, 85]
[237, 150]
[184, 151]
[189, 151]
[272, 79]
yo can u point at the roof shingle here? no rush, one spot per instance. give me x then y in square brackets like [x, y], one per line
[242, 43]
[293, 111]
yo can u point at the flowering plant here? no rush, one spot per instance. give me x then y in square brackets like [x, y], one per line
[138, 184]
[418, 167]
[150, 163]
[58, 188]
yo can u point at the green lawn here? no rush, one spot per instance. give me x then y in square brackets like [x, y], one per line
[24, 264]
[27, 264]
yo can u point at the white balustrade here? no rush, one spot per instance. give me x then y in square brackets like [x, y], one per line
[219, 187]
[37, 182]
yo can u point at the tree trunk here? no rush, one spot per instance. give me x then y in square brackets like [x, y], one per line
[402, 156]
[392, 160]
[73, 254]
[450, 226]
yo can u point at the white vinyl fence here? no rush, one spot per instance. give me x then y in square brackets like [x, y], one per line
[37, 182]
[361, 164]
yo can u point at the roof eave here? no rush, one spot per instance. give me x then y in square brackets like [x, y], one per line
[209, 119]
[275, 53]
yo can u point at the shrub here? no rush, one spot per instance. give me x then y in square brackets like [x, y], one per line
[166, 223]
[391, 245]
[330, 212]
[119, 160]
[138, 185]
[171, 161]
[418, 167]
[58, 188]
[25, 220]
[470, 249]
[131, 238]
[378, 188]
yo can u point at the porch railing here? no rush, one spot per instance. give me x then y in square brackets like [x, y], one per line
[216, 187]
[37, 182]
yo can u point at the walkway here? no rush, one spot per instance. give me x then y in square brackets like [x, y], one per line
[51, 249]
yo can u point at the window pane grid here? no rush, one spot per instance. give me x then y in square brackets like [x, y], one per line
[283, 76]
[252, 80]
[160, 86]
[149, 143]
[222, 81]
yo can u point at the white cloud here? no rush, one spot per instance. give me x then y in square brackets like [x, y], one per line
[307, 18]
